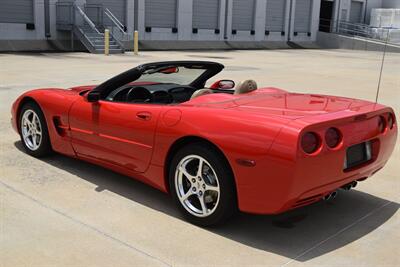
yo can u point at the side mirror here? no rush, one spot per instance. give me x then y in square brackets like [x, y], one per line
[223, 84]
[93, 96]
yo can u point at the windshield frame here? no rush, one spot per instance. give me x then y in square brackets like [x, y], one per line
[129, 76]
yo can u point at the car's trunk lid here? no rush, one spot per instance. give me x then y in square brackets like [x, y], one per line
[296, 105]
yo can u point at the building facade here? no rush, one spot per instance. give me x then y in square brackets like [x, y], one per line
[32, 24]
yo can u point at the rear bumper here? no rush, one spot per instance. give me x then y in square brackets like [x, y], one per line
[287, 179]
[317, 193]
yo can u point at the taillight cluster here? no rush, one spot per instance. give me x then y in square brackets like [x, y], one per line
[311, 142]
[386, 122]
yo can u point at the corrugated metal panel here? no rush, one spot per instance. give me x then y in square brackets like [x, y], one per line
[16, 11]
[117, 7]
[302, 16]
[243, 15]
[275, 16]
[206, 14]
[356, 11]
[160, 13]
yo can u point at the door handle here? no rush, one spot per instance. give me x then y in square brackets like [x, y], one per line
[145, 116]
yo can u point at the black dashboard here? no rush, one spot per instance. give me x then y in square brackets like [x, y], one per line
[165, 93]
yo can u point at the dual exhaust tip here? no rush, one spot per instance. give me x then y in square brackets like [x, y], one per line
[330, 196]
[349, 185]
[333, 194]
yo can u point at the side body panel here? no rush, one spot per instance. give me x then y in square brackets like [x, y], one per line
[117, 133]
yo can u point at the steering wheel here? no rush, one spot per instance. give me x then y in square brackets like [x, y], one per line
[139, 95]
[182, 93]
[162, 97]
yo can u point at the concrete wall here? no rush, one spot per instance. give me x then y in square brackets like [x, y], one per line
[344, 8]
[391, 3]
[335, 41]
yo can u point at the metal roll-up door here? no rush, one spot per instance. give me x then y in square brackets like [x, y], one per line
[16, 11]
[206, 14]
[243, 15]
[275, 16]
[117, 8]
[302, 16]
[356, 11]
[160, 13]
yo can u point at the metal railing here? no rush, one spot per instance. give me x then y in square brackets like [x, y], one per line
[68, 15]
[86, 20]
[117, 29]
[378, 34]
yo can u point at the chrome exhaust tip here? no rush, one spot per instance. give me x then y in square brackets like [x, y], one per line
[326, 197]
[347, 187]
[329, 196]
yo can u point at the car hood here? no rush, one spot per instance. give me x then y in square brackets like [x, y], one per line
[281, 103]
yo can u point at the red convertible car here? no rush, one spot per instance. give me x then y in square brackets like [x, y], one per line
[216, 149]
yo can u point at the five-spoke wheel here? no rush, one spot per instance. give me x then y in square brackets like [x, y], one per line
[197, 185]
[201, 182]
[33, 130]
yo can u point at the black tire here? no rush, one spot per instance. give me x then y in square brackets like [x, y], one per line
[227, 204]
[44, 147]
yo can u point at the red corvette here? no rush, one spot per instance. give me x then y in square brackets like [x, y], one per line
[214, 150]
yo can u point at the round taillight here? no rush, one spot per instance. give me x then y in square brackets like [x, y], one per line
[381, 124]
[310, 142]
[333, 137]
[390, 121]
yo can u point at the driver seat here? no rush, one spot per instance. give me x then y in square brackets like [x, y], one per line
[200, 93]
[246, 86]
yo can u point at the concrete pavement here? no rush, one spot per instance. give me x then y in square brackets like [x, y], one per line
[59, 211]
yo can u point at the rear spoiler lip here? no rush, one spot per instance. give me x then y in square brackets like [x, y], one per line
[355, 114]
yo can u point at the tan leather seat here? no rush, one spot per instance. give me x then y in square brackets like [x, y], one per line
[201, 92]
[246, 86]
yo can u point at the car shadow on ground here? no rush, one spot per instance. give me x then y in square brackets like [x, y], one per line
[301, 234]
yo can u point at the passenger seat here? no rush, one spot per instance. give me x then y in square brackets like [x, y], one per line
[246, 86]
[200, 93]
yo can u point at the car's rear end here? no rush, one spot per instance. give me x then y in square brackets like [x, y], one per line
[335, 150]
[334, 153]
[318, 152]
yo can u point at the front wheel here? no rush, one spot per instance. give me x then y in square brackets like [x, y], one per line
[201, 183]
[33, 130]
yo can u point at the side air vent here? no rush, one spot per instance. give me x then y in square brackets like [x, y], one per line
[61, 129]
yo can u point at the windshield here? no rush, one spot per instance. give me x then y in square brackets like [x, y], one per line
[171, 74]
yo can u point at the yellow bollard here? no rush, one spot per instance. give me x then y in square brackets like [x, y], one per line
[106, 42]
[136, 42]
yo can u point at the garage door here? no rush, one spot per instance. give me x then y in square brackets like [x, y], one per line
[160, 13]
[302, 16]
[206, 14]
[243, 15]
[356, 11]
[275, 16]
[16, 11]
[117, 7]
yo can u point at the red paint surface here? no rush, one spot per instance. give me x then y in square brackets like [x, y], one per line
[264, 126]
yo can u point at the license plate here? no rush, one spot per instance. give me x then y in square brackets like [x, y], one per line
[357, 155]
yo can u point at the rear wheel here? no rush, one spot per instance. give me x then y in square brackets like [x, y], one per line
[33, 130]
[202, 185]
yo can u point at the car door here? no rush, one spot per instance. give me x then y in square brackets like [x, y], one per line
[118, 133]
